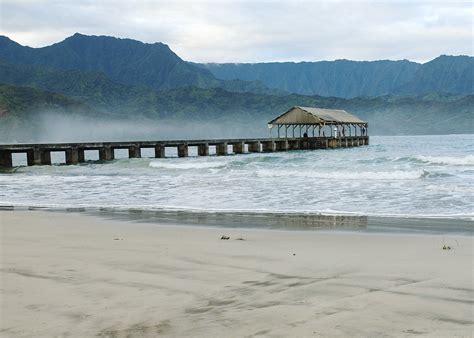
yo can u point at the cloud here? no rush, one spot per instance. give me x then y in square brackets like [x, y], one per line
[249, 31]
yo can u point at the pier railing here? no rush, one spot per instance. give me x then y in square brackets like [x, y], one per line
[40, 154]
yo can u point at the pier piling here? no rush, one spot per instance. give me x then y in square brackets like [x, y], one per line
[72, 156]
[106, 154]
[203, 149]
[40, 154]
[6, 158]
[268, 146]
[182, 150]
[134, 152]
[238, 147]
[159, 151]
[221, 149]
[254, 147]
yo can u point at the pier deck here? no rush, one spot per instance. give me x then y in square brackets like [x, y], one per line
[40, 154]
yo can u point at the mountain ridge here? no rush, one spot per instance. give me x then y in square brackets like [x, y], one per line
[155, 65]
[347, 78]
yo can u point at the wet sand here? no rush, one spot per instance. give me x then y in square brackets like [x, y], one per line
[66, 274]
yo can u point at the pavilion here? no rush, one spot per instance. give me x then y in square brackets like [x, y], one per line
[308, 119]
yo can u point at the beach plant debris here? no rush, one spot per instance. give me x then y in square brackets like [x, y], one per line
[446, 247]
[225, 237]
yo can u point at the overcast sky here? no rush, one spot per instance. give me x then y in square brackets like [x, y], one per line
[255, 31]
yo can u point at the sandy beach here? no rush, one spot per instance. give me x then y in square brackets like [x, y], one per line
[69, 274]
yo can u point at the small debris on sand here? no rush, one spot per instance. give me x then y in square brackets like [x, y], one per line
[225, 237]
[446, 247]
[240, 239]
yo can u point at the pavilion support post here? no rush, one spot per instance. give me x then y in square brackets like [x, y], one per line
[72, 156]
[221, 149]
[6, 159]
[254, 147]
[239, 147]
[183, 150]
[279, 126]
[134, 152]
[286, 131]
[203, 149]
[269, 146]
[160, 151]
[107, 154]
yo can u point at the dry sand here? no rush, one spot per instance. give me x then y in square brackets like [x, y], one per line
[76, 275]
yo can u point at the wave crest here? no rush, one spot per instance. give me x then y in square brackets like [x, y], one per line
[447, 160]
[186, 165]
[348, 175]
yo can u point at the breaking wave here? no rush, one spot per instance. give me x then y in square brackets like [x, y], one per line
[185, 165]
[347, 175]
[394, 176]
[447, 160]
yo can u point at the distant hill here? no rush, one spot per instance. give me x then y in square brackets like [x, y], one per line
[448, 74]
[15, 101]
[124, 61]
[232, 114]
[344, 78]
[107, 78]
[156, 66]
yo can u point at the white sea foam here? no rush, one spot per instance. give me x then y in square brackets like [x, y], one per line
[448, 160]
[390, 177]
[346, 175]
[186, 165]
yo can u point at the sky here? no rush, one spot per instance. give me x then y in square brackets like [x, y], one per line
[255, 31]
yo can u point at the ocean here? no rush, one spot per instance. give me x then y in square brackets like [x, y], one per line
[396, 176]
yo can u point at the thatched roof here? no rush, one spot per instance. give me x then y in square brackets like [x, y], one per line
[311, 115]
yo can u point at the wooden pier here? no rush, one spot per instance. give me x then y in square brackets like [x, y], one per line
[40, 154]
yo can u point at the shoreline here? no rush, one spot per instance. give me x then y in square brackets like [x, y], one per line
[272, 220]
[78, 274]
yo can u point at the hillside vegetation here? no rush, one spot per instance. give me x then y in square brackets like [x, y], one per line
[105, 78]
[344, 78]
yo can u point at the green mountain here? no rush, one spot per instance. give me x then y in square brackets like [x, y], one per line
[344, 78]
[156, 66]
[124, 61]
[448, 74]
[214, 112]
[15, 101]
[86, 78]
